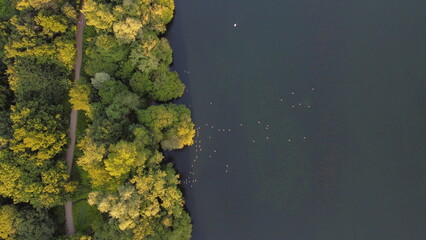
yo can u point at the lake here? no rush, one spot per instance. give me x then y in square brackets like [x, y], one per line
[310, 117]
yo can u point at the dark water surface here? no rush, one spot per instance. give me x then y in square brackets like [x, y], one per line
[311, 117]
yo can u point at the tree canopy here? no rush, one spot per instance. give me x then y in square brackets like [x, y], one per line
[125, 92]
[25, 223]
[39, 55]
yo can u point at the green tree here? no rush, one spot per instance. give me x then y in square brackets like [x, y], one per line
[6, 132]
[157, 13]
[9, 219]
[79, 98]
[37, 4]
[92, 162]
[109, 91]
[35, 224]
[51, 24]
[148, 53]
[7, 9]
[25, 224]
[99, 79]
[122, 148]
[182, 228]
[41, 186]
[98, 15]
[122, 158]
[65, 52]
[123, 205]
[110, 230]
[166, 85]
[127, 30]
[43, 83]
[141, 83]
[70, 11]
[170, 124]
[104, 54]
[37, 135]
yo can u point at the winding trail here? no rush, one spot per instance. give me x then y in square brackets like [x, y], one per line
[81, 22]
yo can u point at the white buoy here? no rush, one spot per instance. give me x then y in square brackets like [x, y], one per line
[235, 25]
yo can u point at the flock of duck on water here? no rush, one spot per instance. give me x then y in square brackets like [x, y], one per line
[191, 179]
[208, 131]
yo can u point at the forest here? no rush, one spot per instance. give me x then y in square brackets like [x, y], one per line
[120, 185]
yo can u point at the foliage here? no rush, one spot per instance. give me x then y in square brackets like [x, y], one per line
[128, 64]
[170, 124]
[152, 205]
[109, 230]
[39, 55]
[123, 206]
[75, 236]
[24, 224]
[51, 24]
[157, 13]
[79, 97]
[37, 136]
[8, 221]
[6, 132]
[126, 31]
[32, 36]
[7, 9]
[98, 14]
[104, 54]
[122, 158]
[92, 162]
[44, 186]
[33, 82]
[165, 85]
[150, 52]
[99, 79]
[85, 216]
[35, 225]
[37, 4]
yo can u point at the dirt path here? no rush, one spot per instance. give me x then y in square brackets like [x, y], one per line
[73, 119]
